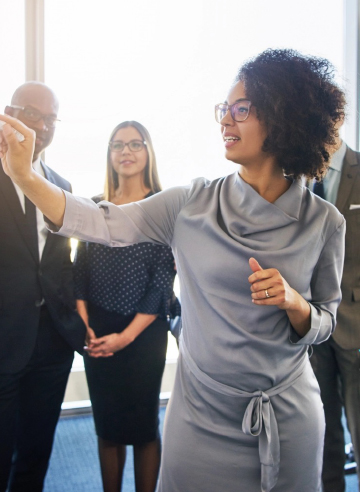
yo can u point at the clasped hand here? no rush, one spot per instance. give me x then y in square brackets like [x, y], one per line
[105, 346]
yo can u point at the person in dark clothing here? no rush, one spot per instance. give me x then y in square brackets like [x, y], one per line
[39, 325]
[124, 297]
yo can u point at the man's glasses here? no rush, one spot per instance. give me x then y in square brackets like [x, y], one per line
[134, 145]
[239, 111]
[34, 115]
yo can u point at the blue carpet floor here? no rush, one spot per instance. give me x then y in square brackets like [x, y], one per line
[74, 465]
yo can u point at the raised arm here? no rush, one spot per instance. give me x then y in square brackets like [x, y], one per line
[16, 158]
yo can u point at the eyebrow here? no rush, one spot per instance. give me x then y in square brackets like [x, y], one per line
[237, 100]
[28, 106]
[132, 140]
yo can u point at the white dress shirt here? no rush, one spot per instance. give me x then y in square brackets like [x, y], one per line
[41, 227]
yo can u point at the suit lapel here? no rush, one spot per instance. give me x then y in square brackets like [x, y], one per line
[50, 237]
[348, 173]
[11, 197]
[47, 173]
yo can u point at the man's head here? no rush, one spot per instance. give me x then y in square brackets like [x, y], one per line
[37, 107]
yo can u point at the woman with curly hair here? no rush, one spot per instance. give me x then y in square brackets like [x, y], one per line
[259, 258]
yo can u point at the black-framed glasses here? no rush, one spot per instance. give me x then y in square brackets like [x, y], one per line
[134, 145]
[34, 115]
[239, 111]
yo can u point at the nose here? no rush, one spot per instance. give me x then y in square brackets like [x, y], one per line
[40, 125]
[227, 120]
[124, 151]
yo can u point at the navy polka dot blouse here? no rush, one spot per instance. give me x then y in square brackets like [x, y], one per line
[128, 280]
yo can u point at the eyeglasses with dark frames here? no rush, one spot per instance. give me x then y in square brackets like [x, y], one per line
[134, 145]
[239, 111]
[34, 115]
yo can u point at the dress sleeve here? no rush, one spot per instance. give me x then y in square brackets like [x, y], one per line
[158, 296]
[81, 271]
[325, 290]
[152, 219]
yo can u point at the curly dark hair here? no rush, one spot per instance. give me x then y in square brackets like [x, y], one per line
[299, 102]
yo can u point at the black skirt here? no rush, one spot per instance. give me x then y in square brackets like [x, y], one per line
[124, 388]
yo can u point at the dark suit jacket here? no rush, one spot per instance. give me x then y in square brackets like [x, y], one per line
[347, 332]
[24, 282]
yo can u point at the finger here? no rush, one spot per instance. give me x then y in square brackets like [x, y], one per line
[263, 294]
[271, 301]
[91, 347]
[3, 148]
[260, 274]
[2, 139]
[9, 136]
[257, 270]
[16, 124]
[96, 342]
[254, 265]
[98, 350]
[261, 285]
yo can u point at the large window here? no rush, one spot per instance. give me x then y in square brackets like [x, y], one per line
[165, 64]
[12, 42]
[161, 62]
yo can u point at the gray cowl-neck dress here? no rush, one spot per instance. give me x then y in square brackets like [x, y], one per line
[245, 413]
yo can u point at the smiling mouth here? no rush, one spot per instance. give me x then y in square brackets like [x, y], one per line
[231, 139]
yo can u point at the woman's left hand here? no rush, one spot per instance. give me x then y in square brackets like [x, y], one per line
[106, 346]
[269, 287]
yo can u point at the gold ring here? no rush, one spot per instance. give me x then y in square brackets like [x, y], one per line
[267, 293]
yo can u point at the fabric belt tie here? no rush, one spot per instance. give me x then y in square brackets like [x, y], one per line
[259, 418]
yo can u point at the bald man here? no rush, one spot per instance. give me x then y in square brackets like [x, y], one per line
[39, 327]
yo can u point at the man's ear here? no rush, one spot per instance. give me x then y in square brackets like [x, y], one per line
[8, 110]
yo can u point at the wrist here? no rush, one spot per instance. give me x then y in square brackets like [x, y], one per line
[24, 177]
[126, 337]
[299, 305]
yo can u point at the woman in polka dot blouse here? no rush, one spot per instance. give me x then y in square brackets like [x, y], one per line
[124, 296]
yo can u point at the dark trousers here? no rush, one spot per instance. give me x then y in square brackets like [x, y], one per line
[30, 404]
[338, 373]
